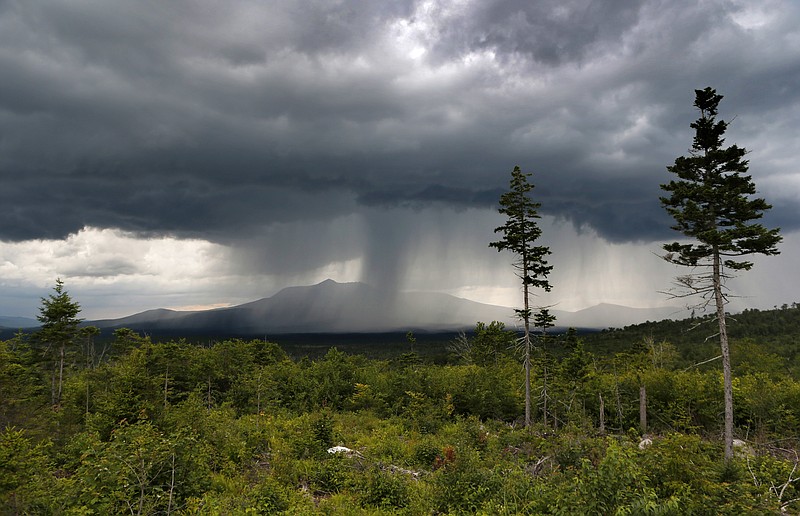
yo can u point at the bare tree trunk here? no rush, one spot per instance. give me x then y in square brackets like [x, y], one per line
[89, 367]
[527, 377]
[602, 415]
[103, 353]
[166, 387]
[141, 498]
[258, 396]
[53, 397]
[171, 486]
[209, 393]
[544, 393]
[90, 352]
[726, 355]
[643, 408]
[526, 318]
[60, 374]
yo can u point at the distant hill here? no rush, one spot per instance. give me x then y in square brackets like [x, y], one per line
[16, 323]
[327, 307]
[775, 331]
[606, 315]
[331, 307]
[157, 318]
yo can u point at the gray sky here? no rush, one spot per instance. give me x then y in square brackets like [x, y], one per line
[195, 153]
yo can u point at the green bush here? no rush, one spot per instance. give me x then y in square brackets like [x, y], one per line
[331, 474]
[25, 480]
[382, 489]
[234, 495]
[461, 484]
[617, 484]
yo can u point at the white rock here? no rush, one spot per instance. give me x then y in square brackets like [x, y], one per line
[339, 449]
[742, 448]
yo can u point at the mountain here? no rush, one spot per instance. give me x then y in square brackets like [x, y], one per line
[328, 307]
[607, 315]
[18, 322]
[331, 307]
[157, 317]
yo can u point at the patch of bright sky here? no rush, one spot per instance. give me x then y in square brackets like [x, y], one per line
[114, 274]
[94, 261]
[94, 255]
[781, 187]
[754, 15]
[409, 34]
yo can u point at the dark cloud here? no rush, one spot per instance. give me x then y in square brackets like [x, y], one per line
[551, 32]
[232, 122]
[430, 194]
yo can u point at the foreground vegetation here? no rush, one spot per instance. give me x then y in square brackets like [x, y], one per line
[238, 427]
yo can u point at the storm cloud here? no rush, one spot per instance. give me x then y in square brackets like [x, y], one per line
[302, 134]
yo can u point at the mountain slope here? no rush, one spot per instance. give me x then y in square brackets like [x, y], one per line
[18, 322]
[157, 316]
[607, 315]
[331, 307]
[327, 307]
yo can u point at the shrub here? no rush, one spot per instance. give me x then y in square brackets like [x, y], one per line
[24, 473]
[460, 483]
[616, 485]
[331, 475]
[234, 495]
[383, 489]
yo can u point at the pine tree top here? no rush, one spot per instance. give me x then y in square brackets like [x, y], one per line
[712, 200]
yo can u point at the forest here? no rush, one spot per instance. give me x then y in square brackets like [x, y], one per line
[626, 421]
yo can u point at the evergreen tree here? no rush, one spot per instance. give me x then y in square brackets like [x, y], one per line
[520, 233]
[712, 203]
[59, 318]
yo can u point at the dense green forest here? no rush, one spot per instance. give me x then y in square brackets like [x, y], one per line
[243, 427]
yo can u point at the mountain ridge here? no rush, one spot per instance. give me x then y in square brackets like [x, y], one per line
[353, 307]
[10, 322]
[322, 308]
[332, 307]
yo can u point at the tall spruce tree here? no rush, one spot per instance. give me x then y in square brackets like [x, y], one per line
[520, 233]
[59, 330]
[713, 205]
